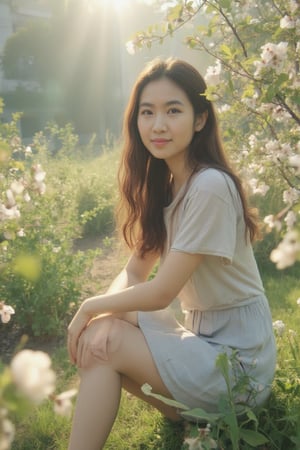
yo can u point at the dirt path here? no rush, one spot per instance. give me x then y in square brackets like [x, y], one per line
[104, 269]
[106, 266]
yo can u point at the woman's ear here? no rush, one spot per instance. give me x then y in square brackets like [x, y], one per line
[201, 120]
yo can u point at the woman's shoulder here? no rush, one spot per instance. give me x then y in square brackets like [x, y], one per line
[213, 180]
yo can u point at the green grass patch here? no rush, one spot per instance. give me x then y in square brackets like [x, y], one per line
[141, 427]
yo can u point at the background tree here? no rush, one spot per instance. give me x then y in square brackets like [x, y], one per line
[254, 80]
[73, 59]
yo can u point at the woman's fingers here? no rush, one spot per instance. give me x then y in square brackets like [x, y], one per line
[92, 344]
[76, 327]
[72, 348]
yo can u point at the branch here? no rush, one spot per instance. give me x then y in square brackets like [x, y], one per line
[244, 74]
[284, 176]
[289, 110]
[233, 29]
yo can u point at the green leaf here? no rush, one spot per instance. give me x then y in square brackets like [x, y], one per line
[234, 431]
[253, 438]
[174, 13]
[199, 413]
[5, 153]
[222, 364]
[147, 390]
[226, 50]
[225, 3]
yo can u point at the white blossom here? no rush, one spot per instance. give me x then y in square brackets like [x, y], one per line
[39, 176]
[258, 187]
[32, 373]
[193, 443]
[293, 5]
[9, 213]
[287, 251]
[212, 76]
[279, 327]
[280, 114]
[202, 441]
[10, 198]
[298, 301]
[7, 433]
[273, 146]
[5, 312]
[62, 402]
[287, 22]
[272, 222]
[17, 187]
[38, 173]
[290, 196]
[290, 219]
[294, 161]
[131, 47]
[21, 232]
[272, 56]
[27, 197]
[224, 108]
[252, 139]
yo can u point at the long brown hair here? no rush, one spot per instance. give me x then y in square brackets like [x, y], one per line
[145, 182]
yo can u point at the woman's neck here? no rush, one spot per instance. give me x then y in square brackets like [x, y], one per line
[178, 180]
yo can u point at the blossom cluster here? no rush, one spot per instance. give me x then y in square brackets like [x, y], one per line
[202, 441]
[279, 150]
[19, 187]
[255, 87]
[30, 372]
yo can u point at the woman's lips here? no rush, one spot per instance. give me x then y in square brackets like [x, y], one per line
[160, 142]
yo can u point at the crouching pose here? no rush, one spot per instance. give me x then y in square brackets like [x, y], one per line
[182, 205]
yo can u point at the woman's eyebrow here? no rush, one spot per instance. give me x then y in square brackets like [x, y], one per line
[169, 103]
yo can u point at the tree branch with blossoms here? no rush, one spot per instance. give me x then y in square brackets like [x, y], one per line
[254, 82]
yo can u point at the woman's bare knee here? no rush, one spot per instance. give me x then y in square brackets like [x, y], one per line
[114, 337]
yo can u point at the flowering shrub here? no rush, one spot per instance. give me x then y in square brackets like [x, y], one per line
[254, 80]
[40, 273]
[28, 380]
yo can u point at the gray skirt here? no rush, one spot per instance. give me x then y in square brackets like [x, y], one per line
[185, 355]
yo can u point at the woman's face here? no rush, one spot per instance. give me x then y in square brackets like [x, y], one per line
[166, 120]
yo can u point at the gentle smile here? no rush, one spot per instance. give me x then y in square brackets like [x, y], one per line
[160, 141]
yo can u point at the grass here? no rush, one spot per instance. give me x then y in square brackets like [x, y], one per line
[138, 426]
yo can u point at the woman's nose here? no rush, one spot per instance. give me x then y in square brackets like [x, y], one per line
[159, 123]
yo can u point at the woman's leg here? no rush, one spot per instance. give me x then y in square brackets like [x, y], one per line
[98, 400]
[96, 408]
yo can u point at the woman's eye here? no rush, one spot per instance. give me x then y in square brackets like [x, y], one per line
[174, 111]
[145, 112]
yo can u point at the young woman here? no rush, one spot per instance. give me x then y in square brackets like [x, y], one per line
[181, 204]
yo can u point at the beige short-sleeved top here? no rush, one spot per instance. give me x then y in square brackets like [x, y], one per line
[209, 221]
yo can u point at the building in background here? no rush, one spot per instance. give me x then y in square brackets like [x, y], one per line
[69, 64]
[15, 15]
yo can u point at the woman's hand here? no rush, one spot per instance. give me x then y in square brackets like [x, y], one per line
[75, 329]
[93, 341]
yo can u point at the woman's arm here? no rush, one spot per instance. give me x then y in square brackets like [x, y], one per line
[135, 271]
[145, 296]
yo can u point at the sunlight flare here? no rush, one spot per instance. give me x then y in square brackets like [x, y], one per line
[118, 5]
